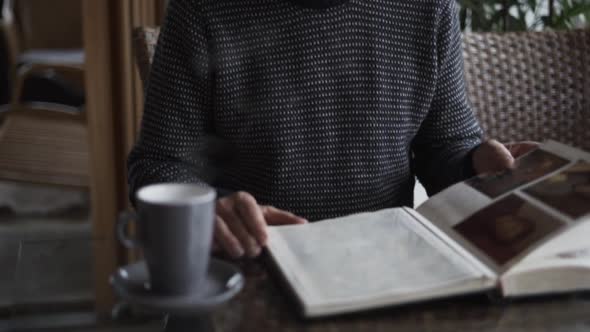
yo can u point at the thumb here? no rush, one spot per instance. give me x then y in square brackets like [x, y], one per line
[276, 217]
[492, 157]
[501, 157]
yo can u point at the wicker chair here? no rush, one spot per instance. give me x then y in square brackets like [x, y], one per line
[43, 131]
[523, 86]
[531, 85]
[46, 56]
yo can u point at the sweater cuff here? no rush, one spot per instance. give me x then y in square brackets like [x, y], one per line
[468, 169]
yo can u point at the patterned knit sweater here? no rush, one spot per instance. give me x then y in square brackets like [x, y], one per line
[323, 108]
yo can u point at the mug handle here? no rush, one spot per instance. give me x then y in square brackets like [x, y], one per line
[124, 219]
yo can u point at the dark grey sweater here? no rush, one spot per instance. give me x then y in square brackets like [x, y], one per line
[323, 109]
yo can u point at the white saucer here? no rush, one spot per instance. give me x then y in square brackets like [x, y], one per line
[223, 282]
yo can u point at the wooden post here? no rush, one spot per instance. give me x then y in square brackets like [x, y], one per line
[112, 105]
[101, 107]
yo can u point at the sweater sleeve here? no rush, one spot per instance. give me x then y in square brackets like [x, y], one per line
[177, 115]
[444, 144]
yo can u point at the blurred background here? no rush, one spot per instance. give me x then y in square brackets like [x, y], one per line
[520, 15]
[71, 96]
[69, 93]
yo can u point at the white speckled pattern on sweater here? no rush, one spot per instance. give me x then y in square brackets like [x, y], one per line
[317, 111]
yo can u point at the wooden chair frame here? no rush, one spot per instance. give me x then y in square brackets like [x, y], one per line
[19, 112]
[19, 75]
[9, 30]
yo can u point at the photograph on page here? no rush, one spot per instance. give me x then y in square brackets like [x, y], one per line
[507, 228]
[568, 191]
[531, 167]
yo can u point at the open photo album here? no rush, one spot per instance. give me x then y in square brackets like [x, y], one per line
[521, 232]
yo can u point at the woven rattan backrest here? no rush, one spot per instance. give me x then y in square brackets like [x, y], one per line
[531, 85]
[144, 43]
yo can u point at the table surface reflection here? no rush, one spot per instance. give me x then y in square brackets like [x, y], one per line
[266, 305]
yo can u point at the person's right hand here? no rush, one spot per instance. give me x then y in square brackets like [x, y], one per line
[240, 224]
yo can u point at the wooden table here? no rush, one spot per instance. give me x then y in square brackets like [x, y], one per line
[265, 305]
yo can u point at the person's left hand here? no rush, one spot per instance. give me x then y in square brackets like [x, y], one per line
[493, 156]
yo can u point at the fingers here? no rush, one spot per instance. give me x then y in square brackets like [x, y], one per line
[277, 217]
[521, 148]
[492, 157]
[226, 239]
[248, 210]
[247, 241]
[236, 225]
[500, 157]
[241, 224]
[240, 227]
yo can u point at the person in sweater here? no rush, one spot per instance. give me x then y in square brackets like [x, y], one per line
[300, 110]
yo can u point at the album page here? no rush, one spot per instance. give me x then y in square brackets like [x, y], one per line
[369, 260]
[502, 218]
